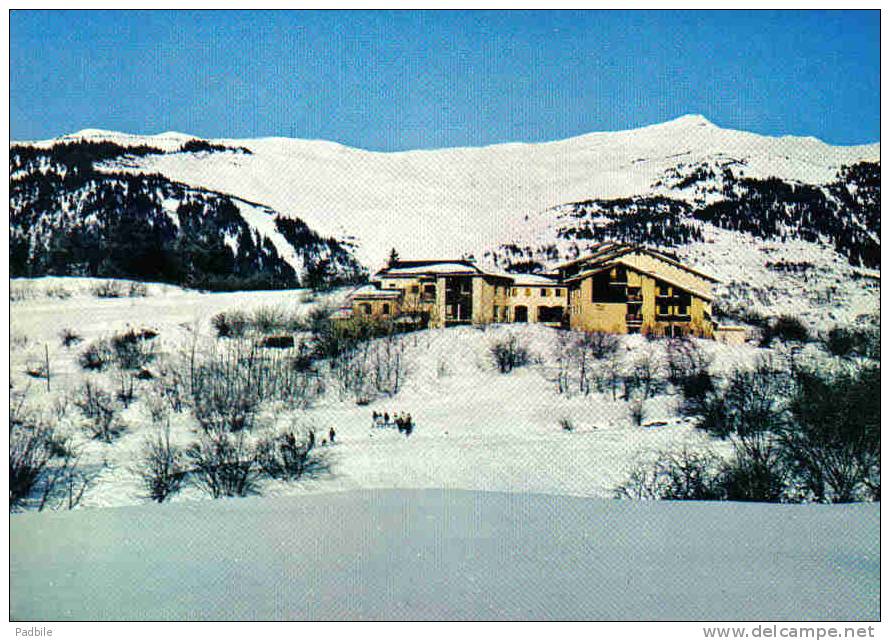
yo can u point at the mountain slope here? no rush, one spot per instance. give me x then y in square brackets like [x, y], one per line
[69, 216]
[452, 201]
[719, 198]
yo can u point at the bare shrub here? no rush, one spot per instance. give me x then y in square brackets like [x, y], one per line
[284, 456]
[636, 406]
[508, 354]
[97, 356]
[137, 290]
[19, 292]
[230, 324]
[133, 349]
[58, 292]
[161, 466]
[365, 369]
[99, 409]
[31, 447]
[43, 468]
[170, 385]
[223, 464]
[69, 337]
[786, 328]
[601, 344]
[647, 372]
[126, 391]
[108, 289]
[676, 476]
[833, 441]
[567, 424]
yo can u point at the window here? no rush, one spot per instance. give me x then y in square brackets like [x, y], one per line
[497, 313]
[513, 292]
[386, 308]
[528, 292]
[549, 314]
[415, 289]
[429, 290]
[663, 309]
[366, 308]
[560, 292]
[545, 291]
[602, 291]
[664, 289]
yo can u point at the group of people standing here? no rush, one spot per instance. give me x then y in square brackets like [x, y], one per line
[331, 435]
[402, 421]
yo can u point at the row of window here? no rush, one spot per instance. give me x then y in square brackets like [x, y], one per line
[543, 291]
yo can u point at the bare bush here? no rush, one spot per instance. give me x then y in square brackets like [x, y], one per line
[284, 456]
[108, 289]
[126, 391]
[99, 409]
[833, 441]
[137, 290]
[676, 476]
[97, 356]
[69, 337]
[161, 467]
[636, 405]
[31, 447]
[223, 464]
[58, 292]
[134, 349]
[601, 344]
[508, 354]
[43, 468]
[230, 324]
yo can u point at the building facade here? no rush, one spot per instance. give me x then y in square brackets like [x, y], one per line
[617, 288]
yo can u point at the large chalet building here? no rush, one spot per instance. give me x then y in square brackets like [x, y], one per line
[617, 288]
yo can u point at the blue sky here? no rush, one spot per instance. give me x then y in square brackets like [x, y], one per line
[405, 80]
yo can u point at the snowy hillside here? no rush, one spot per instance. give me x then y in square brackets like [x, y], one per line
[451, 201]
[433, 554]
[71, 216]
[721, 199]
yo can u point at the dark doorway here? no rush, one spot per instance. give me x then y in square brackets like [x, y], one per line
[520, 314]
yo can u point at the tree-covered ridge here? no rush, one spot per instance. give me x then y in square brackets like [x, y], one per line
[69, 218]
[845, 214]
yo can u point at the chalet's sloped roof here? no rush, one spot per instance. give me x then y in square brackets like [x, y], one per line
[413, 268]
[601, 267]
[534, 279]
[421, 267]
[369, 291]
[608, 253]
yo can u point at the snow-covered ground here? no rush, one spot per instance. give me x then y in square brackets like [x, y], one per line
[434, 554]
[477, 429]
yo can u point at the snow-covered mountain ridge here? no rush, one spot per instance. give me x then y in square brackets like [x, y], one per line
[688, 185]
[464, 200]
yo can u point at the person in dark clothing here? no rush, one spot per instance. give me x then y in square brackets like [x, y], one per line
[311, 439]
[386, 418]
[332, 434]
[399, 423]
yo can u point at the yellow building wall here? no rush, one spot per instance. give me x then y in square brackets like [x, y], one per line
[377, 313]
[488, 293]
[681, 277]
[596, 317]
[530, 297]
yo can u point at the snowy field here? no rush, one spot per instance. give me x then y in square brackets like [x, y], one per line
[436, 554]
[476, 429]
